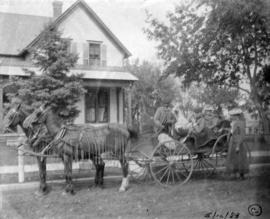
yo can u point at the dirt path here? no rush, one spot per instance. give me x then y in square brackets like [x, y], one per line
[193, 200]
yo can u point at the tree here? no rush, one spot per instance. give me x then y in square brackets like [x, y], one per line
[54, 83]
[216, 96]
[149, 91]
[197, 96]
[221, 42]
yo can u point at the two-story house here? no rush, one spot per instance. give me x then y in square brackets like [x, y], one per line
[101, 57]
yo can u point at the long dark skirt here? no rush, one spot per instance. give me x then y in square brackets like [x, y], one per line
[237, 161]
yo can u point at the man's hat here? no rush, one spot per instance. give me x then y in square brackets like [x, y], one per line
[208, 108]
[235, 111]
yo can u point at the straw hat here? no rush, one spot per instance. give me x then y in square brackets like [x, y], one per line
[235, 111]
[208, 108]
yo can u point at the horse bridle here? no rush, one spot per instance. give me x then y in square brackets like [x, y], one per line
[41, 113]
[13, 116]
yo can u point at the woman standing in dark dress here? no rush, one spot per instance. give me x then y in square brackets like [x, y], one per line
[237, 158]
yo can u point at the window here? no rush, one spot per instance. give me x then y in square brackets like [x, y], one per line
[97, 105]
[95, 54]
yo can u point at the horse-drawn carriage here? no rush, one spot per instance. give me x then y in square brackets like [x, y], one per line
[168, 162]
[173, 160]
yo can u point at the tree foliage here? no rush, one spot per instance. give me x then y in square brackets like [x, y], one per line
[218, 42]
[197, 96]
[52, 82]
[149, 92]
[216, 96]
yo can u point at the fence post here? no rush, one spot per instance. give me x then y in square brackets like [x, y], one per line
[21, 164]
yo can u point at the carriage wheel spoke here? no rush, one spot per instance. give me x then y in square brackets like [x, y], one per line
[209, 164]
[204, 168]
[164, 174]
[199, 164]
[180, 166]
[161, 170]
[183, 174]
[168, 176]
[197, 161]
[179, 152]
[177, 176]
[173, 177]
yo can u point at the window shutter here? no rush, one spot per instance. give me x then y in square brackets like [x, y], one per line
[86, 54]
[103, 55]
[74, 48]
[68, 42]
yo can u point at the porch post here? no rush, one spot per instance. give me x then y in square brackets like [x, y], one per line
[1, 108]
[129, 99]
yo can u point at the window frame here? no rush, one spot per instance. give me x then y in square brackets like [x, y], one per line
[96, 62]
[97, 92]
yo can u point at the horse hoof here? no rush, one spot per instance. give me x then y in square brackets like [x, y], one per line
[64, 193]
[41, 193]
[100, 186]
[122, 189]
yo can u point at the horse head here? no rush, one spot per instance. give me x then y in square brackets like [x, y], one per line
[38, 116]
[14, 117]
[43, 116]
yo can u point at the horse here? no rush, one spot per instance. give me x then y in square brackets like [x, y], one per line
[79, 141]
[15, 117]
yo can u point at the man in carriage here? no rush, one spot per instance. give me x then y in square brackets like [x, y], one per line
[203, 129]
[164, 121]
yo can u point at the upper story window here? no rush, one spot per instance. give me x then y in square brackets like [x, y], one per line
[95, 54]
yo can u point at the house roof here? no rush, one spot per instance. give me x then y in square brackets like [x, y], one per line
[19, 32]
[87, 74]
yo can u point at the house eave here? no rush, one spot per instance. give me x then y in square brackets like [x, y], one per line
[103, 75]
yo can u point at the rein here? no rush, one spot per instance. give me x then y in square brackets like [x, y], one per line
[31, 153]
[34, 154]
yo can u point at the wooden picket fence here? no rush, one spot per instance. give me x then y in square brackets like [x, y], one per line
[25, 164]
[17, 163]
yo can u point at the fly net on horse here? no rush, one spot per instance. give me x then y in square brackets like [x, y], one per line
[84, 141]
[79, 141]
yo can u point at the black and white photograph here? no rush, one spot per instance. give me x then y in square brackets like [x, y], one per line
[134, 109]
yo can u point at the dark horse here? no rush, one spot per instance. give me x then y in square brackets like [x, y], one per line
[15, 117]
[77, 142]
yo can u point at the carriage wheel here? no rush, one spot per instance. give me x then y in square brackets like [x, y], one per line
[205, 164]
[171, 163]
[139, 170]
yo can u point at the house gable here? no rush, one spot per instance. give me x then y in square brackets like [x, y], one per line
[83, 29]
[80, 23]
